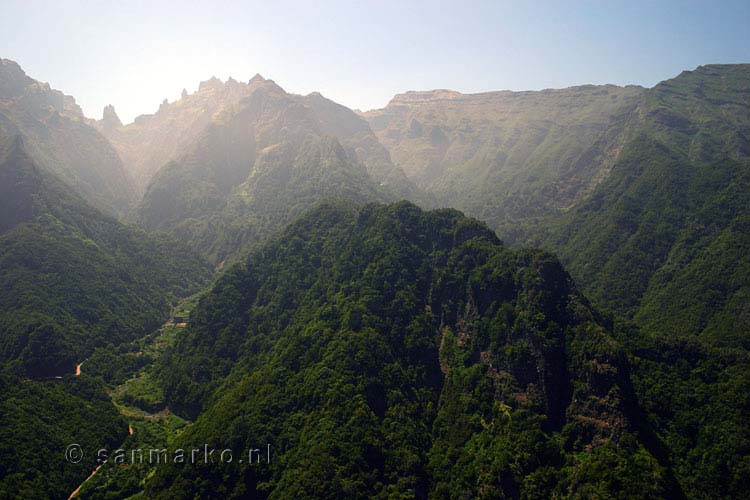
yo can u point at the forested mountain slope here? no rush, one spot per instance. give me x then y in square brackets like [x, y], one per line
[664, 241]
[664, 238]
[74, 278]
[644, 193]
[388, 352]
[59, 139]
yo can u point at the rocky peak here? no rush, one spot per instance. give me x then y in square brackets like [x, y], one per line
[37, 97]
[110, 120]
[257, 79]
[415, 96]
[211, 83]
[13, 80]
[184, 94]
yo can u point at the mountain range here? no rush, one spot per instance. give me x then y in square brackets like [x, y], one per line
[385, 348]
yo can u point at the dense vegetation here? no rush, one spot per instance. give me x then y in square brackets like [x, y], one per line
[39, 420]
[389, 352]
[672, 215]
[73, 278]
[664, 242]
[659, 239]
[383, 351]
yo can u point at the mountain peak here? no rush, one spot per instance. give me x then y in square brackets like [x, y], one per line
[13, 80]
[257, 79]
[110, 118]
[211, 83]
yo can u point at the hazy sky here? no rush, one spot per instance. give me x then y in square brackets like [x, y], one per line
[134, 54]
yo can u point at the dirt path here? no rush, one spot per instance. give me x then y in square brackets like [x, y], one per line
[78, 490]
[126, 411]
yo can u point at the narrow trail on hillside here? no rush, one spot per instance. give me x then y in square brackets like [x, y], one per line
[130, 412]
[78, 490]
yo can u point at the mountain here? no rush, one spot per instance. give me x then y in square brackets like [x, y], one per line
[381, 350]
[507, 156]
[384, 351]
[262, 163]
[60, 140]
[664, 241]
[644, 194]
[633, 187]
[152, 141]
[74, 278]
[671, 218]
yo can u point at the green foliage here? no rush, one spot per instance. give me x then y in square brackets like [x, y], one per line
[386, 352]
[663, 241]
[697, 398]
[39, 420]
[75, 279]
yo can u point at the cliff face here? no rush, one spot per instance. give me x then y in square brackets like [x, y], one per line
[152, 140]
[506, 156]
[59, 138]
[258, 165]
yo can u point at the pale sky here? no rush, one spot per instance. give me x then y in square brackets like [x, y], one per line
[133, 54]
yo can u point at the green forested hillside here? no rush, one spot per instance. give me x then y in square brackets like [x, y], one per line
[73, 278]
[644, 194]
[673, 212]
[390, 352]
[664, 241]
[380, 350]
[40, 419]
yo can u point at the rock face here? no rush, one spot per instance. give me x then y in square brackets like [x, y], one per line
[59, 139]
[260, 162]
[153, 140]
[110, 120]
[505, 156]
